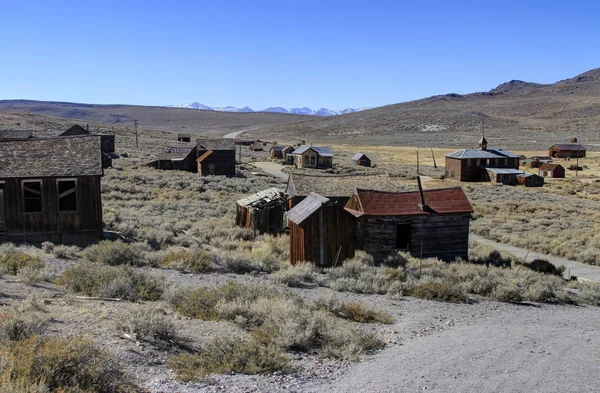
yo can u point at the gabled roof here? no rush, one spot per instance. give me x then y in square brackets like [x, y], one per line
[358, 156]
[439, 201]
[261, 197]
[504, 171]
[526, 175]
[549, 167]
[568, 146]
[47, 157]
[542, 158]
[13, 134]
[183, 135]
[320, 150]
[216, 144]
[302, 184]
[483, 140]
[306, 208]
[75, 130]
[277, 148]
[479, 153]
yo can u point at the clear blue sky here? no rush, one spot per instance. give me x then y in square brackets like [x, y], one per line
[333, 54]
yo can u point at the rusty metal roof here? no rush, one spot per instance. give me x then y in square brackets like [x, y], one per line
[306, 208]
[439, 201]
[264, 196]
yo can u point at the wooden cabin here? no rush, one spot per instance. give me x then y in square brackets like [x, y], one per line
[257, 146]
[471, 165]
[262, 212]
[50, 190]
[280, 152]
[216, 157]
[321, 232]
[567, 150]
[507, 176]
[428, 224]
[108, 143]
[530, 180]
[552, 170]
[178, 158]
[361, 159]
[185, 138]
[313, 157]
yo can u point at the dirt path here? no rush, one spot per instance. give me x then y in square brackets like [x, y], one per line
[574, 268]
[235, 134]
[271, 167]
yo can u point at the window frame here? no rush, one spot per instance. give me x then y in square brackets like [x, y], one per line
[41, 183]
[58, 196]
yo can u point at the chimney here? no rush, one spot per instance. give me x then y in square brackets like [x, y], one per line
[423, 206]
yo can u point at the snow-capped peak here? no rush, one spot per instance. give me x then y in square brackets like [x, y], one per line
[276, 109]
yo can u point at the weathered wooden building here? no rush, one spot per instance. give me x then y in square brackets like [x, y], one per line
[216, 157]
[50, 190]
[567, 150]
[280, 152]
[185, 138]
[552, 170]
[313, 157]
[262, 212]
[321, 232]
[536, 161]
[257, 146]
[108, 143]
[361, 159]
[507, 176]
[179, 158]
[471, 165]
[530, 180]
[430, 223]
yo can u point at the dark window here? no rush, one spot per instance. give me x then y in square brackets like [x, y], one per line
[32, 196]
[67, 195]
[403, 237]
[312, 160]
[306, 159]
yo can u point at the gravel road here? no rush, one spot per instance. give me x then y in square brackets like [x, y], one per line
[271, 167]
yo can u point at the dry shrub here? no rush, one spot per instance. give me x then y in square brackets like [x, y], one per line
[112, 282]
[12, 261]
[66, 252]
[115, 253]
[69, 364]
[188, 260]
[442, 291]
[228, 355]
[296, 275]
[151, 325]
[15, 325]
[353, 311]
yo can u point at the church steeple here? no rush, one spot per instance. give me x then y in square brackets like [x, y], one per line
[483, 143]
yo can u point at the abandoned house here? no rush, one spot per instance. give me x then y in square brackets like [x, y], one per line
[428, 224]
[472, 165]
[280, 152]
[216, 157]
[262, 212]
[361, 159]
[257, 146]
[313, 157]
[567, 150]
[536, 161]
[178, 158]
[185, 138]
[530, 180]
[10, 135]
[50, 190]
[108, 143]
[552, 170]
[321, 232]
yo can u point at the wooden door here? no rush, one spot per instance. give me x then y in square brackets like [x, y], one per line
[2, 212]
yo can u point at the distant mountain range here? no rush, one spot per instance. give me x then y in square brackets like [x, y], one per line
[275, 109]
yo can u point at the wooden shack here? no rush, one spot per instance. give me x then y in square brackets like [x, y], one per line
[50, 190]
[257, 146]
[530, 180]
[552, 170]
[185, 138]
[262, 212]
[507, 176]
[178, 158]
[107, 147]
[428, 224]
[313, 157]
[321, 232]
[361, 159]
[280, 152]
[567, 150]
[216, 157]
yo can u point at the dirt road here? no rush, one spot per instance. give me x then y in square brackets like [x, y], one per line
[233, 135]
[575, 268]
[271, 167]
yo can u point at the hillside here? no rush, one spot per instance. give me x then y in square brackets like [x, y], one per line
[513, 113]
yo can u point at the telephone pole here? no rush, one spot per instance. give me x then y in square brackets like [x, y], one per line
[136, 134]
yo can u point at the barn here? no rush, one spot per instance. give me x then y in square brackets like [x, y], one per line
[321, 232]
[262, 212]
[552, 170]
[108, 143]
[429, 224]
[567, 150]
[313, 157]
[361, 159]
[530, 180]
[216, 157]
[50, 190]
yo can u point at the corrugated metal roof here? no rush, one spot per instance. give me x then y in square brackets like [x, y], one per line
[439, 201]
[477, 153]
[358, 156]
[263, 196]
[321, 150]
[568, 146]
[505, 153]
[46, 157]
[505, 171]
[306, 208]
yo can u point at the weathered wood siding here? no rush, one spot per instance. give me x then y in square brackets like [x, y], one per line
[443, 236]
[362, 162]
[265, 220]
[83, 226]
[219, 162]
[319, 238]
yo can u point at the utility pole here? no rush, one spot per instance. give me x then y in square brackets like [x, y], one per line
[417, 162]
[136, 134]
[577, 163]
[433, 156]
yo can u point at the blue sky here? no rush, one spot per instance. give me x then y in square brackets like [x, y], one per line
[333, 54]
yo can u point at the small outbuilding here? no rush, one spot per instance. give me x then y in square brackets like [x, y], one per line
[262, 212]
[530, 180]
[184, 138]
[567, 150]
[313, 157]
[216, 157]
[552, 170]
[507, 176]
[178, 158]
[361, 159]
[280, 152]
[321, 232]
[256, 146]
